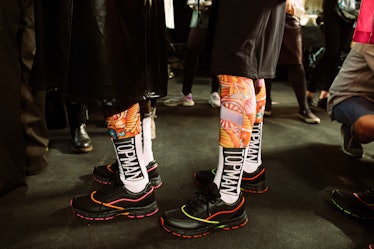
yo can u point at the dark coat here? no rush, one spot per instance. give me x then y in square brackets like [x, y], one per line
[108, 51]
[247, 37]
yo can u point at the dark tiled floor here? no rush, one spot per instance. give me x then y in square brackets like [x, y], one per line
[304, 163]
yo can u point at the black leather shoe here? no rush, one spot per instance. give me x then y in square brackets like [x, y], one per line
[81, 141]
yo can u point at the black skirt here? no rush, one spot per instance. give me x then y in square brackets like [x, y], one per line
[107, 51]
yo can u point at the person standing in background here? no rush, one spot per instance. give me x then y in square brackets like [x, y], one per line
[32, 100]
[337, 36]
[291, 57]
[117, 49]
[77, 119]
[352, 92]
[24, 138]
[197, 38]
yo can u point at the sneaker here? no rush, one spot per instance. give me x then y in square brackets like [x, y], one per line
[351, 146]
[214, 100]
[204, 214]
[181, 99]
[251, 182]
[113, 201]
[308, 117]
[104, 173]
[359, 205]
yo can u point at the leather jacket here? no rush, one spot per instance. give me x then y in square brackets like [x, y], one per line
[107, 51]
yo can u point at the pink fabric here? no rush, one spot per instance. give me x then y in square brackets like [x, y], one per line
[365, 23]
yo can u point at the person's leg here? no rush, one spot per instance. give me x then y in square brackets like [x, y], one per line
[104, 174]
[268, 105]
[329, 61]
[12, 143]
[35, 129]
[214, 98]
[356, 115]
[339, 33]
[32, 101]
[253, 179]
[364, 128]
[78, 116]
[146, 125]
[125, 131]
[297, 78]
[254, 173]
[222, 205]
[153, 117]
[195, 43]
[238, 113]
[131, 194]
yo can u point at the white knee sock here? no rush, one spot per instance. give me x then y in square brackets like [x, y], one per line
[132, 168]
[253, 159]
[229, 173]
[147, 140]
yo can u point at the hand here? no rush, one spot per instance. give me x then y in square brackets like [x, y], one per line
[290, 7]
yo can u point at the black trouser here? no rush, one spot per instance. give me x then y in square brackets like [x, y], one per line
[12, 140]
[77, 114]
[35, 129]
[337, 34]
[33, 101]
[296, 76]
[195, 43]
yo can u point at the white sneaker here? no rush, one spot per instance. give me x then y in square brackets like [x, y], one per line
[181, 99]
[308, 117]
[215, 100]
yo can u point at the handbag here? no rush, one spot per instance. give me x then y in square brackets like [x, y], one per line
[348, 9]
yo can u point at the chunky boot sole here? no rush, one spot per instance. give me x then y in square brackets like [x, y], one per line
[81, 149]
[225, 225]
[258, 188]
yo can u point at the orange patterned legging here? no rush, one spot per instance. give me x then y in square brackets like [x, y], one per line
[260, 99]
[238, 111]
[125, 124]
